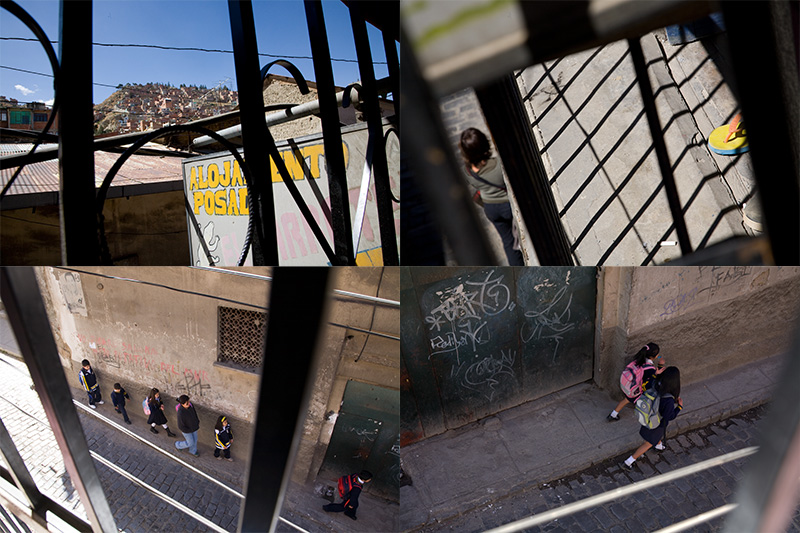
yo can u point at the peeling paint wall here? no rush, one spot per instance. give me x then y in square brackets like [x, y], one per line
[706, 320]
[148, 335]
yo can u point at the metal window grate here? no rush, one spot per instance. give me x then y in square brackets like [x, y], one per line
[241, 337]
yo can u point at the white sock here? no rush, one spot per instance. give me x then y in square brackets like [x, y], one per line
[164, 426]
[660, 446]
[629, 461]
[614, 413]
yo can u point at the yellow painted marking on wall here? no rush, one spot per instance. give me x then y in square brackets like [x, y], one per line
[460, 19]
[370, 258]
[229, 179]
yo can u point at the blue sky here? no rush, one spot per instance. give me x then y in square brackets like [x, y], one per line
[280, 28]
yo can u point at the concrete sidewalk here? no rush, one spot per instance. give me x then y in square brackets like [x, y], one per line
[552, 437]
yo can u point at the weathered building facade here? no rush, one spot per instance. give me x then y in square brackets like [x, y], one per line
[200, 332]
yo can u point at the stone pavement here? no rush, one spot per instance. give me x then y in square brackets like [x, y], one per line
[648, 510]
[551, 438]
[134, 508]
[589, 121]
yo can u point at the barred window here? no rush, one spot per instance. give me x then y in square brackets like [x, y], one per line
[241, 337]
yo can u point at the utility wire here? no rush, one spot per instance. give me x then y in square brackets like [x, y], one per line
[189, 49]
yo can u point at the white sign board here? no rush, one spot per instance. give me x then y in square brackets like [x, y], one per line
[215, 188]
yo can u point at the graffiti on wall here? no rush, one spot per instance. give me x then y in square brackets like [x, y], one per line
[459, 329]
[144, 359]
[695, 286]
[551, 321]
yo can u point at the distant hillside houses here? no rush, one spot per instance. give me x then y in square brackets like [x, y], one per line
[135, 107]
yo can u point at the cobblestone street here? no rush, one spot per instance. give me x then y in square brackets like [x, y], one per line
[134, 508]
[646, 511]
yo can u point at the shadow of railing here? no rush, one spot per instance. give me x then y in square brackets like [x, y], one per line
[597, 72]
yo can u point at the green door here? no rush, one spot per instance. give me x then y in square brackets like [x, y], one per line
[366, 437]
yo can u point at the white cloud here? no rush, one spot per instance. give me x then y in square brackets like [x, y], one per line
[24, 90]
[47, 102]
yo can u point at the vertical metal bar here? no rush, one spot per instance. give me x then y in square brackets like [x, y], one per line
[658, 143]
[768, 493]
[79, 242]
[765, 67]
[505, 113]
[435, 172]
[383, 190]
[28, 317]
[332, 135]
[22, 477]
[393, 62]
[281, 407]
[255, 135]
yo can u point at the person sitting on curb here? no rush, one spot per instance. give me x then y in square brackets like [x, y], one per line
[637, 376]
[189, 424]
[668, 387]
[349, 489]
[89, 383]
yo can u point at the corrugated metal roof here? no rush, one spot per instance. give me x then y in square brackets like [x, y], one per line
[44, 177]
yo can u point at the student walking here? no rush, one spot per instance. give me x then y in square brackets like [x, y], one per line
[485, 177]
[668, 397]
[89, 383]
[223, 438]
[189, 424]
[157, 415]
[118, 398]
[637, 376]
[349, 489]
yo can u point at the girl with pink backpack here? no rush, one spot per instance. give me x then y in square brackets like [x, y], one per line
[637, 376]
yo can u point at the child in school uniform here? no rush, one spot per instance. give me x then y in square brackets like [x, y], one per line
[223, 438]
[668, 387]
[118, 398]
[157, 415]
[646, 362]
[88, 380]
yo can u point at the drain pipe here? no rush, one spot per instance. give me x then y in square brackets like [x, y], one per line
[287, 115]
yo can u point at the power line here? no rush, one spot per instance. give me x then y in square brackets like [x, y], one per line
[187, 49]
[50, 75]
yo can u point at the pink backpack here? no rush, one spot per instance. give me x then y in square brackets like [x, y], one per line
[631, 379]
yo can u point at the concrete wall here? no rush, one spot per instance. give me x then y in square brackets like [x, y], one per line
[148, 336]
[706, 320]
[148, 229]
[350, 354]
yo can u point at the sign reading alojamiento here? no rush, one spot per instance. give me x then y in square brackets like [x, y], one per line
[215, 188]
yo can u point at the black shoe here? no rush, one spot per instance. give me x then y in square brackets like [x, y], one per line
[325, 508]
[353, 516]
[128, 421]
[170, 434]
[153, 430]
[612, 418]
[626, 466]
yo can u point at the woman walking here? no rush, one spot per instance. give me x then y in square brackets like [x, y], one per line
[485, 175]
[637, 376]
[157, 412]
[668, 387]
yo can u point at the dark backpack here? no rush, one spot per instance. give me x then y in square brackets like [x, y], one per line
[648, 408]
[347, 483]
